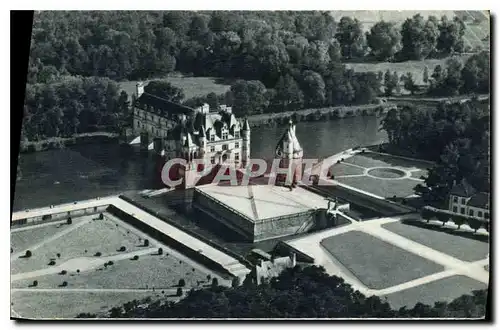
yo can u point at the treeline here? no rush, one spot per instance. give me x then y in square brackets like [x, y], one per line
[297, 293]
[71, 106]
[455, 136]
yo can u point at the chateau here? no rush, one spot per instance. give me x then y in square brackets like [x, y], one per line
[177, 131]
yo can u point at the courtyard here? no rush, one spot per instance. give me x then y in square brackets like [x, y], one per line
[96, 263]
[382, 175]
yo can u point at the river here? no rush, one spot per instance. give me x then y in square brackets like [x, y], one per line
[88, 171]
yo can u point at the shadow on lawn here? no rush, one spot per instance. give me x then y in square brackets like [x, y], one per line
[447, 230]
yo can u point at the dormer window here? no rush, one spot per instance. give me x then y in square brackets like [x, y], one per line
[236, 134]
[212, 137]
[224, 135]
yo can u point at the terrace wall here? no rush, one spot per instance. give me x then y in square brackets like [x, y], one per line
[284, 226]
[58, 216]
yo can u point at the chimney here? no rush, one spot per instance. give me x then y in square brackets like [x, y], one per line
[139, 89]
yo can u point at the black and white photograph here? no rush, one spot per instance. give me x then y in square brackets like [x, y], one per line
[251, 165]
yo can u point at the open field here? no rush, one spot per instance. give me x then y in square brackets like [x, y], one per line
[381, 187]
[104, 236]
[192, 86]
[60, 304]
[446, 240]
[445, 289]
[150, 271]
[345, 169]
[379, 160]
[20, 240]
[377, 264]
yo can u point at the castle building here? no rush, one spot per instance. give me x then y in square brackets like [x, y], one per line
[290, 153]
[177, 131]
[465, 200]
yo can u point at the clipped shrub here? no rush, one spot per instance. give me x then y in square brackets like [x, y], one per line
[28, 254]
[443, 217]
[63, 272]
[35, 283]
[146, 242]
[427, 214]
[136, 257]
[458, 220]
[58, 255]
[52, 263]
[77, 270]
[98, 254]
[474, 224]
[101, 216]
[209, 277]
[182, 282]
[110, 263]
[64, 283]
[215, 281]
[179, 292]
[69, 221]
[122, 249]
[160, 251]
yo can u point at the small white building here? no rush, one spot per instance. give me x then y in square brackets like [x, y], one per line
[465, 200]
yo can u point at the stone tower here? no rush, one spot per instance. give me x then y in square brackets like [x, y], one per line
[245, 148]
[290, 153]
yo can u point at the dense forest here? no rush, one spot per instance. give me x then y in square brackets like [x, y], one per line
[455, 136]
[280, 60]
[307, 292]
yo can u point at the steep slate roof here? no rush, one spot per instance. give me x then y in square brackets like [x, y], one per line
[481, 200]
[463, 189]
[161, 105]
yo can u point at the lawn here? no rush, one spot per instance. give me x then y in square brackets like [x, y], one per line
[345, 169]
[150, 271]
[192, 86]
[96, 236]
[445, 289]
[377, 264]
[21, 240]
[418, 174]
[70, 304]
[381, 187]
[442, 240]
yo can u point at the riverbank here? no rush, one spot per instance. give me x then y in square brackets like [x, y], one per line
[59, 142]
[319, 114]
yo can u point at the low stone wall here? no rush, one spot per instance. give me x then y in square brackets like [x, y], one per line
[58, 216]
[284, 226]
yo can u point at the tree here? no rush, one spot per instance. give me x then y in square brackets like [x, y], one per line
[409, 83]
[97, 254]
[160, 251]
[165, 90]
[69, 221]
[384, 40]
[182, 282]
[288, 95]
[475, 74]
[474, 223]
[215, 282]
[390, 83]
[136, 257]
[313, 86]
[351, 38]
[179, 292]
[122, 248]
[427, 214]
[101, 216]
[52, 263]
[58, 255]
[249, 97]
[443, 217]
[146, 242]
[451, 33]
[418, 37]
[426, 75]
[458, 220]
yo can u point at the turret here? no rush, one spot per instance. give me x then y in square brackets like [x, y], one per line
[245, 148]
[203, 140]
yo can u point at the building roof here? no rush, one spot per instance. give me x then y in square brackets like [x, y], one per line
[257, 202]
[463, 189]
[161, 106]
[480, 200]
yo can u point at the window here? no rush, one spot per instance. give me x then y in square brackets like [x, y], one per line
[236, 156]
[212, 137]
[237, 134]
[212, 148]
[236, 144]
[462, 210]
[224, 135]
[212, 160]
[486, 215]
[471, 213]
[480, 214]
[455, 209]
[224, 147]
[463, 200]
[455, 199]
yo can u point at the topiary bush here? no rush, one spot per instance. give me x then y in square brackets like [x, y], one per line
[35, 283]
[160, 251]
[474, 224]
[64, 284]
[215, 281]
[146, 242]
[110, 263]
[28, 254]
[98, 254]
[58, 255]
[136, 257]
[458, 220]
[52, 263]
[122, 249]
[443, 217]
[427, 214]
[101, 216]
[182, 282]
[69, 221]
[63, 272]
[179, 292]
